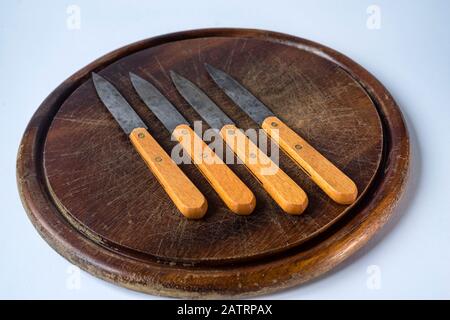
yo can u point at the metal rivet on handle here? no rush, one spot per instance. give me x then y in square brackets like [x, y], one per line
[158, 159]
[298, 147]
[274, 124]
[141, 135]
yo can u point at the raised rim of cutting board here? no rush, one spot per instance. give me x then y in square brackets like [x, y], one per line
[287, 269]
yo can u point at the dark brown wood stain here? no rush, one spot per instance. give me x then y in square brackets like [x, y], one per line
[93, 199]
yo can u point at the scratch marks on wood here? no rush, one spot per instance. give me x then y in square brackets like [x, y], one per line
[229, 60]
[105, 185]
[163, 70]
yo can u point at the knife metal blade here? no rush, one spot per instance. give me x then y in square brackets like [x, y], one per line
[207, 109]
[286, 193]
[240, 95]
[185, 195]
[121, 110]
[325, 174]
[235, 194]
[157, 103]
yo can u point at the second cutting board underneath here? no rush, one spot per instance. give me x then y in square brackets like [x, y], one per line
[103, 188]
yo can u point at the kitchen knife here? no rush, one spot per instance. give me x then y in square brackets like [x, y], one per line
[187, 198]
[286, 193]
[326, 175]
[234, 193]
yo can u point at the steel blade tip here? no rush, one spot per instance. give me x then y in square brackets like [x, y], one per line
[99, 81]
[175, 77]
[209, 67]
[140, 84]
[179, 80]
[214, 72]
[135, 79]
[96, 77]
[134, 76]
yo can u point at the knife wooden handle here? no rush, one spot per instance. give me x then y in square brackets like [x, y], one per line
[187, 198]
[327, 176]
[236, 195]
[286, 193]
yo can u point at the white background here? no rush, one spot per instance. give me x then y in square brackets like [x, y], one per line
[410, 54]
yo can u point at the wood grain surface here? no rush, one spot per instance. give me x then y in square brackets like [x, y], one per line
[93, 199]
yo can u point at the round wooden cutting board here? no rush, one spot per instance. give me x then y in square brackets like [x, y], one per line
[93, 199]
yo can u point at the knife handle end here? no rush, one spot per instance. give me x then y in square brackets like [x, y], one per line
[286, 193]
[326, 175]
[234, 193]
[185, 195]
